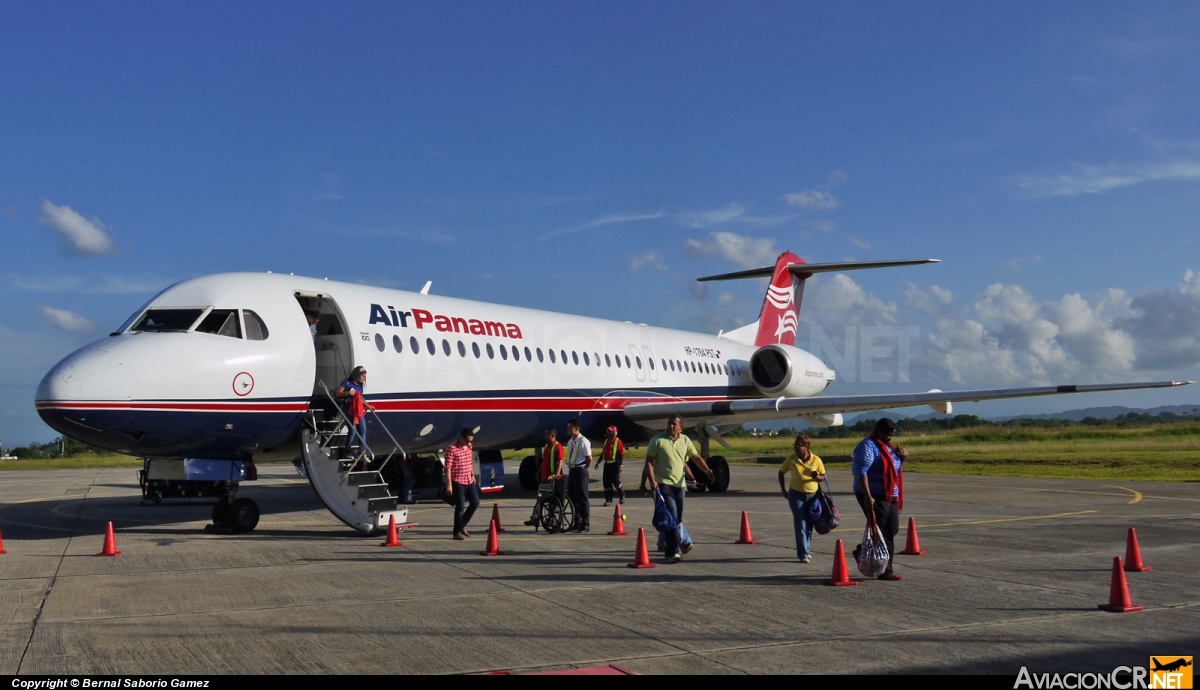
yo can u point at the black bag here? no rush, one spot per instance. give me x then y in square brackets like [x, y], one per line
[830, 517]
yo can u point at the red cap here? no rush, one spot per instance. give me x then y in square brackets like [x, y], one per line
[612, 429]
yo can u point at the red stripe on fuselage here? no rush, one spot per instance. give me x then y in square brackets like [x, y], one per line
[407, 405]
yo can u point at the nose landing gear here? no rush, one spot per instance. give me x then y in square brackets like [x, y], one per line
[237, 517]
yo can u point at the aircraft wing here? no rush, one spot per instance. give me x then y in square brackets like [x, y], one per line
[733, 412]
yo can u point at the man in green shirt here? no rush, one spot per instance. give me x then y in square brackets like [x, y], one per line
[666, 456]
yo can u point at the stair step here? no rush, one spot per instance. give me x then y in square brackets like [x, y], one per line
[372, 491]
[376, 505]
[364, 478]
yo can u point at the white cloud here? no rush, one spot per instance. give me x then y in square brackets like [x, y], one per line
[65, 320]
[739, 250]
[858, 242]
[105, 284]
[605, 220]
[84, 237]
[1097, 179]
[650, 258]
[824, 225]
[812, 199]
[1016, 263]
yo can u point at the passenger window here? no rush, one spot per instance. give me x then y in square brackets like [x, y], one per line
[416, 348]
[597, 355]
[607, 361]
[650, 362]
[462, 349]
[564, 355]
[618, 358]
[167, 320]
[255, 328]
[528, 355]
[639, 361]
[503, 352]
[475, 349]
[575, 357]
[516, 353]
[397, 344]
[539, 351]
[430, 346]
[552, 360]
[586, 362]
[379, 342]
[446, 347]
[491, 352]
[628, 365]
[221, 322]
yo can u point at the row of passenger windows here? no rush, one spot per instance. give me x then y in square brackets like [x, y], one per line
[517, 353]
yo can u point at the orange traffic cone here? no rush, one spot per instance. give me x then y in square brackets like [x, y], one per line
[493, 542]
[840, 576]
[392, 539]
[2, 551]
[618, 529]
[641, 557]
[913, 547]
[110, 543]
[1133, 554]
[496, 517]
[746, 537]
[1118, 592]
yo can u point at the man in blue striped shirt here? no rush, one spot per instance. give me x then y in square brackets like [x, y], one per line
[879, 484]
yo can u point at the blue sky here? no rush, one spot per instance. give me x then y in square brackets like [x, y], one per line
[597, 157]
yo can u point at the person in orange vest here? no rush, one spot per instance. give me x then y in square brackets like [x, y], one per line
[553, 456]
[611, 458]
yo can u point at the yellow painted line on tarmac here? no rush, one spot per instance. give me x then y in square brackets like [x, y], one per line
[1137, 495]
[1020, 519]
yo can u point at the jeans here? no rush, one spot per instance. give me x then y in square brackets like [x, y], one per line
[800, 503]
[466, 501]
[887, 516]
[673, 497]
[612, 482]
[684, 538]
[361, 439]
[577, 491]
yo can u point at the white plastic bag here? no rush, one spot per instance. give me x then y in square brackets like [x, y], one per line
[873, 554]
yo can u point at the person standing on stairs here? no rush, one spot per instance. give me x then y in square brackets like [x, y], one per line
[350, 393]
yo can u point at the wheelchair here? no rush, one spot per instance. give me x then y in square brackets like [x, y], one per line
[553, 512]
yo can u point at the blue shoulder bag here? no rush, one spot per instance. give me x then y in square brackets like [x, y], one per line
[663, 521]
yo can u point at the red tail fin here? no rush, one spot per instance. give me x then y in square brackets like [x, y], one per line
[780, 315]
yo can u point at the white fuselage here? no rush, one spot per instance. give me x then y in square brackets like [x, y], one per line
[435, 365]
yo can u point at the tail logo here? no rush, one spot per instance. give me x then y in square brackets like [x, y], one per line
[780, 296]
[787, 324]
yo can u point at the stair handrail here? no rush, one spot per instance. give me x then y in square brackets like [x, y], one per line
[395, 443]
[353, 431]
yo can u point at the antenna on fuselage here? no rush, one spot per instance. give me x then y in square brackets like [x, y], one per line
[425, 290]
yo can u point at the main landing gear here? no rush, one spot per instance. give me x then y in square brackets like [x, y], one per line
[239, 516]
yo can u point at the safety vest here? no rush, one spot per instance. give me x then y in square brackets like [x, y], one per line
[552, 454]
[612, 449]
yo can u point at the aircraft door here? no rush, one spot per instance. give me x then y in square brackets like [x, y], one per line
[635, 356]
[652, 371]
[335, 352]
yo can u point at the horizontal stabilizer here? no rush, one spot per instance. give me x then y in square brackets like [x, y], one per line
[806, 270]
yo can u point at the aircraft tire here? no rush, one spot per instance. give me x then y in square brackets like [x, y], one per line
[528, 473]
[720, 468]
[243, 515]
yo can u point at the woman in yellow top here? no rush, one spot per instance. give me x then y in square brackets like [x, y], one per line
[807, 469]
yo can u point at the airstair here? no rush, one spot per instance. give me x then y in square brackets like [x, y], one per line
[349, 483]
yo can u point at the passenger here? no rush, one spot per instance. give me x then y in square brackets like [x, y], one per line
[666, 457]
[313, 318]
[350, 392]
[807, 469]
[879, 485]
[551, 468]
[612, 456]
[579, 459]
[460, 481]
[685, 539]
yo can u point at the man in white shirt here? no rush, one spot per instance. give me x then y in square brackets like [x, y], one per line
[579, 459]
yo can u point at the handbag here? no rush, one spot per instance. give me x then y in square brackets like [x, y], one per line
[663, 521]
[873, 553]
[830, 517]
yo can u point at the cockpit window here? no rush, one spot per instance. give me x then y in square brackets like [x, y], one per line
[167, 320]
[255, 328]
[221, 322]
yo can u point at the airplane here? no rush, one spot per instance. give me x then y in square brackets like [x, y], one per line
[219, 372]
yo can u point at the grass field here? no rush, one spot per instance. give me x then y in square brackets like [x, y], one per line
[1166, 452]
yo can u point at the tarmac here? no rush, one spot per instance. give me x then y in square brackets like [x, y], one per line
[1014, 572]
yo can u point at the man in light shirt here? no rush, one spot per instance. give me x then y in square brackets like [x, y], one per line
[579, 459]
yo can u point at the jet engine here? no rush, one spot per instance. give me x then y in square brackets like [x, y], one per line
[783, 370]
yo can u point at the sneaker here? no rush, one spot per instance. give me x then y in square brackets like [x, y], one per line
[607, 503]
[465, 533]
[584, 528]
[891, 577]
[806, 559]
[530, 522]
[688, 548]
[622, 499]
[459, 537]
[677, 558]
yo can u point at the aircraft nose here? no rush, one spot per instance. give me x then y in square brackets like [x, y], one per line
[73, 396]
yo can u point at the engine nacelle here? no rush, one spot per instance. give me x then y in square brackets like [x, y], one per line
[783, 370]
[824, 419]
